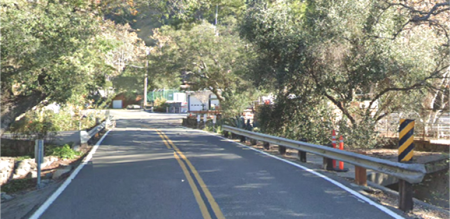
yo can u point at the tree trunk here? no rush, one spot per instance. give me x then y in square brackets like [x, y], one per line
[14, 106]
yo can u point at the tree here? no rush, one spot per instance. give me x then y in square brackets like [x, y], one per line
[50, 51]
[212, 59]
[348, 52]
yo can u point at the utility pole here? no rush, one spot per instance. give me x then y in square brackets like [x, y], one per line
[145, 83]
[146, 76]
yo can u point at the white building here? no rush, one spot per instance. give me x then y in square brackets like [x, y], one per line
[201, 100]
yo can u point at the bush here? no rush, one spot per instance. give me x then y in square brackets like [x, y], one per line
[64, 152]
[45, 122]
[294, 119]
[160, 105]
[34, 124]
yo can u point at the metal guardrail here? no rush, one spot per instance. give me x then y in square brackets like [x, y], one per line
[412, 173]
[85, 136]
[97, 128]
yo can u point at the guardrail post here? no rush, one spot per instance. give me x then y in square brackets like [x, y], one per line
[266, 145]
[282, 149]
[360, 176]
[406, 195]
[327, 163]
[405, 154]
[302, 154]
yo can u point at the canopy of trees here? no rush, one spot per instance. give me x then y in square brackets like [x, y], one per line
[54, 50]
[330, 64]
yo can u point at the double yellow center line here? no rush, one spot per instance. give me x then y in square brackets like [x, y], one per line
[201, 203]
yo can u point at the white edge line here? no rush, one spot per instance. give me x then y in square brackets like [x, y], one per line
[61, 188]
[351, 191]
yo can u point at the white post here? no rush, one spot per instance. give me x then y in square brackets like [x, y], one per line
[214, 123]
[198, 120]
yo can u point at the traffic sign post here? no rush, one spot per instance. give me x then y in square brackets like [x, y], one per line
[405, 155]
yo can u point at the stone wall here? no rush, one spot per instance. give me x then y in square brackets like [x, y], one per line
[17, 148]
[6, 169]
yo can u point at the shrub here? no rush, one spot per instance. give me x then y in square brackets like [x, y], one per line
[45, 122]
[64, 152]
[160, 105]
[35, 125]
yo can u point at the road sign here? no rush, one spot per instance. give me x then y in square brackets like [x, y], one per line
[406, 140]
[405, 154]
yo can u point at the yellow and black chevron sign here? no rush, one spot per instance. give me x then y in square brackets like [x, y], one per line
[406, 140]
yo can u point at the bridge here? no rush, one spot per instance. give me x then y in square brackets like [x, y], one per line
[150, 167]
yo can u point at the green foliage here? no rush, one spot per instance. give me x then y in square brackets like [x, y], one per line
[160, 105]
[237, 122]
[342, 64]
[210, 57]
[63, 152]
[43, 52]
[42, 123]
[236, 101]
[53, 51]
[365, 137]
[34, 124]
[339, 57]
[304, 120]
[160, 102]
[22, 158]
[219, 129]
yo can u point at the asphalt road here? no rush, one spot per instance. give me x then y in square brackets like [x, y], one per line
[148, 167]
